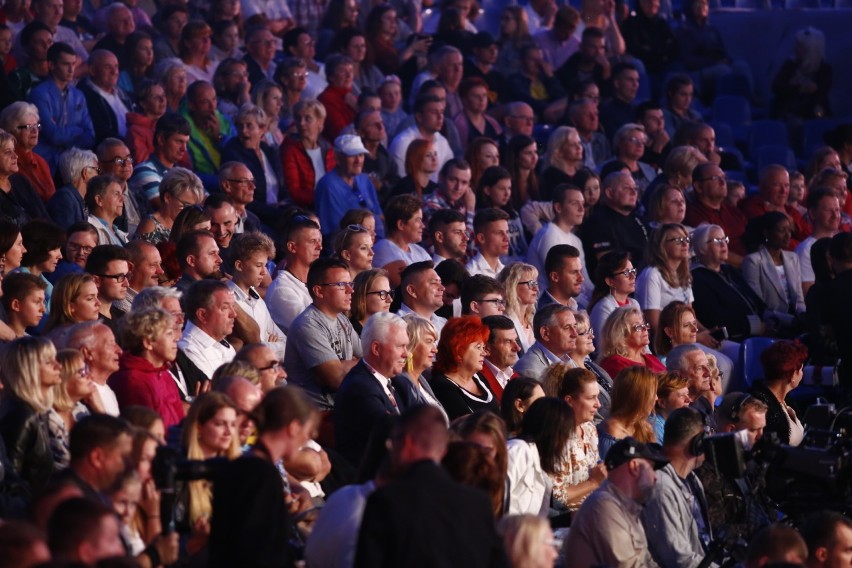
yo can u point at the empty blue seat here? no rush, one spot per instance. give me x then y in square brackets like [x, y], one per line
[735, 84]
[724, 134]
[750, 359]
[767, 133]
[812, 134]
[776, 154]
[734, 111]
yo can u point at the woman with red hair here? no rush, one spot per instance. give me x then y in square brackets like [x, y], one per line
[461, 353]
[783, 366]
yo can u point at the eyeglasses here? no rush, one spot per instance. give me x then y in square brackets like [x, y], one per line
[720, 240]
[639, 327]
[356, 229]
[720, 179]
[273, 365]
[74, 247]
[96, 168]
[298, 75]
[84, 371]
[30, 127]
[185, 204]
[119, 161]
[679, 240]
[495, 301]
[120, 278]
[636, 140]
[529, 119]
[249, 182]
[585, 332]
[533, 284]
[339, 285]
[629, 273]
[383, 295]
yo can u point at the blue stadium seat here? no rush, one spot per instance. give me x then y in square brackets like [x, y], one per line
[767, 133]
[776, 154]
[724, 134]
[750, 361]
[736, 112]
[812, 135]
[734, 84]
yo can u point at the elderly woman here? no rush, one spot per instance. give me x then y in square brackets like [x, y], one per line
[633, 397]
[773, 273]
[74, 300]
[473, 123]
[105, 201]
[562, 160]
[422, 348]
[628, 145]
[179, 189]
[615, 281]
[353, 244]
[521, 284]
[783, 367]
[292, 76]
[672, 393]
[19, 202]
[339, 100]
[21, 120]
[404, 218]
[270, 98]
[722, 296]
[76, 385]
[421, 162]
[143, 378]
[29, 371]
[195, 51]
[371, 293]
[260, 158]
[171, 74]
[306, 157]
[455, 380]
[151, 102]
[581, 355]
[625, 343]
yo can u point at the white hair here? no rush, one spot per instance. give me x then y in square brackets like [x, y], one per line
[676, 360]
[16, 113]
[73, 161]
[152, 297]
[378, 328]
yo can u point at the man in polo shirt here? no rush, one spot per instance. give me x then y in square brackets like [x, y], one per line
[171, 136]
[422, 293]
[491, 233]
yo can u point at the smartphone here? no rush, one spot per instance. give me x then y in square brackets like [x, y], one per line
[719, 334]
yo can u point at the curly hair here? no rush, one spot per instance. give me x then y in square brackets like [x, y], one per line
[456, 337]
[137, 326]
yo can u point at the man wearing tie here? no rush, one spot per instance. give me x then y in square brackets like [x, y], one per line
[370, 391]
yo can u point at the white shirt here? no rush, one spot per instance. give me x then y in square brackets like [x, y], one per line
[654, 293]
[478, 265]
[387, 251]
[316, 83]
[400, 144]
[804, 253]
[436, 320]
[107, 235]
[286, 298]
[256, 308]
[383, 382]
[108, 399]
[529, 486]
[545, 239]
[207, 353]
[502, 377]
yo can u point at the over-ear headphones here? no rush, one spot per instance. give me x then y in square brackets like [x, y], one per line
[696, 444]
[737, 407]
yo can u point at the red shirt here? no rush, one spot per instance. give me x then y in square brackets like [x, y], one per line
[138, 382]
[731, 219]
[339, 114]
[615, 363]
[35, 169]
[755, 206]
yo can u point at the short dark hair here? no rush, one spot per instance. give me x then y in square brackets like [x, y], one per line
[57, 49]
[81, 227]
[95, 431]
[422, 100]
[840, 248]
[401, 208]
[291, 39]
[477, 287]
[74, 521]
[216, 201]
[487, 216]
[682, 425]
[30, 31]
[443, 217]
[190, 244]
[592, 32]
[97, 187]
[643, 107]
[19, 285]
[200, 296]
[169, 124]
[102, 255]
[40, 237]
[452, 272]
[454, 164]
[498, 322]
[818, 194]
[556, 257]
[319, 268]
[818, 530]
[561, 190]
[701, 171]
[413, 270]
[621, 67]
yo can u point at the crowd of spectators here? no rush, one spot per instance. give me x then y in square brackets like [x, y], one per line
[339, 283]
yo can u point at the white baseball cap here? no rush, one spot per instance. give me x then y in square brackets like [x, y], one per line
[350, 144]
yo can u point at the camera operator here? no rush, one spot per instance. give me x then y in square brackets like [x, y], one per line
[675, 520]
[829, 538]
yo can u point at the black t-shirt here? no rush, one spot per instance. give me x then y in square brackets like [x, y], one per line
[607, 229]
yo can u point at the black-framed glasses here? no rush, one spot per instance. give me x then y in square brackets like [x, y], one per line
[339, 285]
[120, 278]
[533, 284]
[74, 247]
[30, 127]
[246, 181]
[720, 240]
[679, 240]
[629, 273]
[185, 204]
[720, 179]
[495, 301]
[644, 326]
[119, 161]
[96, 168]
[382, 294]
[273, 365]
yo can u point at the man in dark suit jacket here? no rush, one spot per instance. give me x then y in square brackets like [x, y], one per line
[108, 105]
[369, 392]
[424, 518]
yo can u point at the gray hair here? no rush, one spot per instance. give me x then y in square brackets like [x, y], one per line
[73, 161]
[16, 113]
[165, 68]
[378, 328]
[676, 360]
[178, 181]
[249, 110]
[701, 236]
[108, 143]
[553, 157]
[622, 132]
[546, 317]
[85, 334]
[152, 297]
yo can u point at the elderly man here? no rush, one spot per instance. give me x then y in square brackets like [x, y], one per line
[209, 131]
[171, 135]
[67, 206]
[678, 531]
[613, 225]
[428, 120]
[585, 118]
[119, 24]
[100, 352]
[210, 311]
[237, 182]
[322, 345]
[267, 362]
[422, 293]
[607, 530]
[115, 159]
[555, 330]
[65, 120]
[108, 105]
[503, 349]
[691, 362]
[774, 189]
[347, 187]
[707, 204]
[368, 393]
[288, 295]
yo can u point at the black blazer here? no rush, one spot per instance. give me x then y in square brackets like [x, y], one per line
[235, 152]
[25, 434]
[359, 405]
[776, 416]
[725, 299]
[103, 117]
[425, 518]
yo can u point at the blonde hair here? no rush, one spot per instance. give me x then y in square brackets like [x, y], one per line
[236, 369]
[69, 361]
[523, 537]
[553, 154]
[203, 410]
[552, 377]
[417, 327]
[64, 293]
[139, 325]
[615, 332]
[510, 276]
[19, 369]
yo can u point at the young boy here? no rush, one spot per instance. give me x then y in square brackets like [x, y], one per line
[249, 254]
[23, 300]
